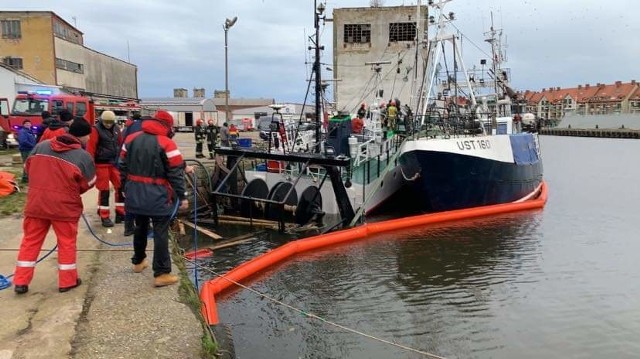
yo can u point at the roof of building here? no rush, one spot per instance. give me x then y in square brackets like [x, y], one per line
[244, 102]
[21, 73]
[50, 13]
[169, 103]
[586, 93]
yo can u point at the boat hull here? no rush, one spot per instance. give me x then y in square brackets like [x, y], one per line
[448, 174]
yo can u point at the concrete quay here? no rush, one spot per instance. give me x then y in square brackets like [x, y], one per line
[591, 132]
[115, 313]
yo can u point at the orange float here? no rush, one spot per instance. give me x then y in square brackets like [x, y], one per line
[217, 285]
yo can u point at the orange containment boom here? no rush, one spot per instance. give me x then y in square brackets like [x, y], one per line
[266, 260]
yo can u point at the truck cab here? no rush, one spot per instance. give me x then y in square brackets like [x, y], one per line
[5, 129]
[30, 105]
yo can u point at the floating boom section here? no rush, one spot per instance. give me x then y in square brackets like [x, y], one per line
[215, 286]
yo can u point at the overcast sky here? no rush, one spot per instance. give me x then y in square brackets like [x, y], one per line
[181, 43]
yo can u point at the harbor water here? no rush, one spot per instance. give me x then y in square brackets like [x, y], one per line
[561, 282]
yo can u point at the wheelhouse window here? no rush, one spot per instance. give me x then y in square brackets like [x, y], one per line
[357, 33]
[402, 31]
[11, 29]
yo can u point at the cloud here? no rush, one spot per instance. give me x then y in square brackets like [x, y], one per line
[181, 44]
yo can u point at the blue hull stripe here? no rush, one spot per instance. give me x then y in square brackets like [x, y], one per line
[448, 181]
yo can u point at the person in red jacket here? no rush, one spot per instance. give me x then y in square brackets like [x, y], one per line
[152, 174]
[59, 172]
[104, 146]
[58, 126]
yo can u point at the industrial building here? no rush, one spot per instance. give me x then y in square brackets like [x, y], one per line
[49, 49]
[371, 44]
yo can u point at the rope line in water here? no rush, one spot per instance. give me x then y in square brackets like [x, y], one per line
[311, 315]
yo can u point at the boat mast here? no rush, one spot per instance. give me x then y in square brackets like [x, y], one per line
[318, 10]
[501, 86]
[436, 49]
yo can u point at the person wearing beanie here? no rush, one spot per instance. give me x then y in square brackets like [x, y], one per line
[57, 126]
[104, 146]
[46, 120]
[152, 175]
[59, 171]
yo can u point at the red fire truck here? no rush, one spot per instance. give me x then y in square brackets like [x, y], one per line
[30, 105]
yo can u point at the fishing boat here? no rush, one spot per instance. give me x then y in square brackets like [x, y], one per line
[314, 170]
[466, 150]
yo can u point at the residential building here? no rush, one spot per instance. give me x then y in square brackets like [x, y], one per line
[600, 99]
[45, 46]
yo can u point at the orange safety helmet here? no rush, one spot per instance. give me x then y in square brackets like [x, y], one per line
[198, 122]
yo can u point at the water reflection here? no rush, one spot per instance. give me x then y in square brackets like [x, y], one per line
[431, 288]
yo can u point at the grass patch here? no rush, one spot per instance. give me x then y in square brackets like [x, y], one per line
[10, 151]
[190, 297]
[13, 203]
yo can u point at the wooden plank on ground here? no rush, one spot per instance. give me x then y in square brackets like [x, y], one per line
[201, 230]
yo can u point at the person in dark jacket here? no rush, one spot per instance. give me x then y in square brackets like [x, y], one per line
[212, 137]
[152, 172]
[57, 127]
[200, 135]
[132, 126]
[26, 143]
[104, 146]
[46, 119]
[59, 172]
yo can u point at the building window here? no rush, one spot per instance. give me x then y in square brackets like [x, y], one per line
[402, 31]
[357, 33]
[13, 62]
[69, 66]
[11, 29]
[63, 31]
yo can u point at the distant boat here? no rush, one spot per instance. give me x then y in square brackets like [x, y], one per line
[461, 153]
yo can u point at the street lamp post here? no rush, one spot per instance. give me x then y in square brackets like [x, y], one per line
[228, 23]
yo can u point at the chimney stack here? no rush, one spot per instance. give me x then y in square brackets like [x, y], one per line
[618, 83]
[198, 92]
[180, 93]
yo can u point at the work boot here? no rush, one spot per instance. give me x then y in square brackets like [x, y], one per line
[129, 227]
[21, 289]
[66, 289]
[165, 279]
[106, 222]
[119, 218]
[138, 268]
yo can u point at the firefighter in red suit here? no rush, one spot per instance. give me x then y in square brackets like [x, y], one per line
[59, 172]
[104, 146]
